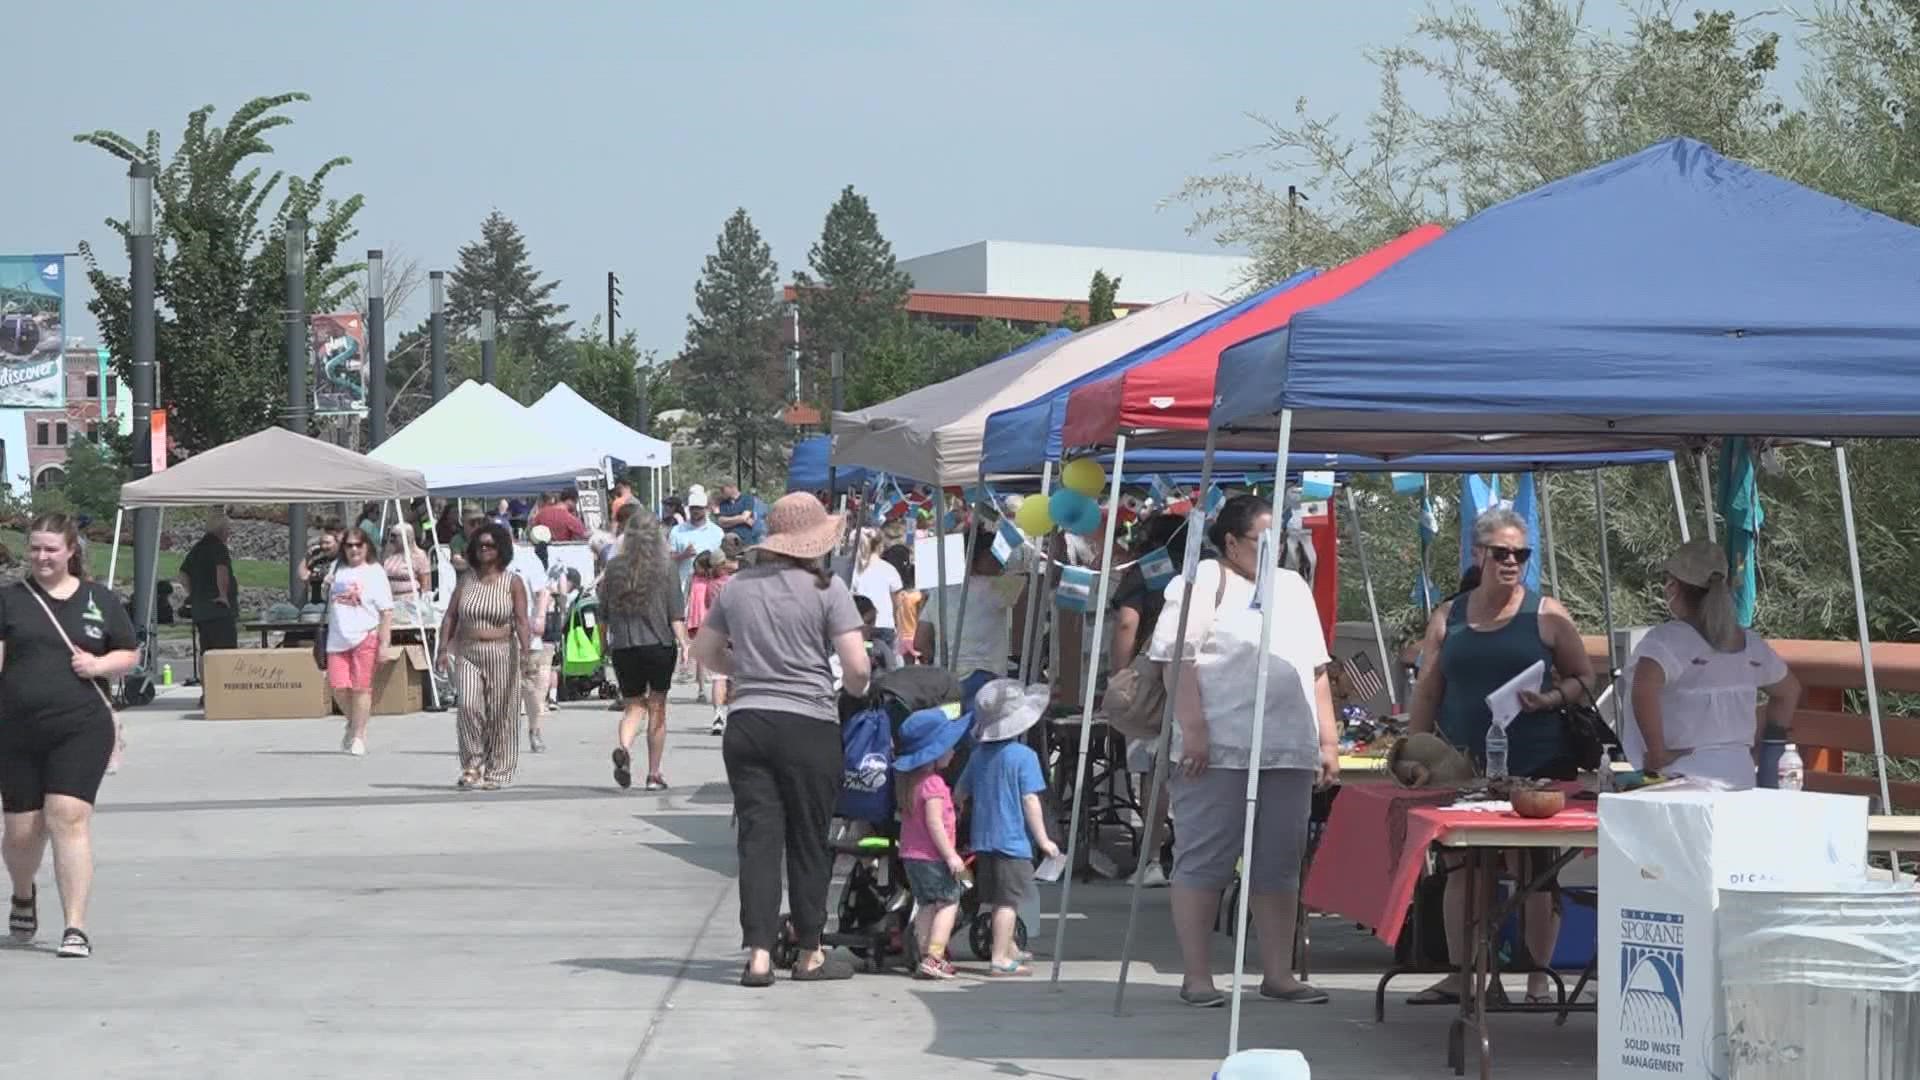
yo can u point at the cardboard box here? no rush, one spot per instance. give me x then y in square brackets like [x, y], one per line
[1664, 858]
[264, 684]
[400, 684]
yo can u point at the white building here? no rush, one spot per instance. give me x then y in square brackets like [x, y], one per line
[1010, 268]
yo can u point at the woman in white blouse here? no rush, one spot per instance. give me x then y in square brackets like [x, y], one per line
[1694, 682]
[1213, 749]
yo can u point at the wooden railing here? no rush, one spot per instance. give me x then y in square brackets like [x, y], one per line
[1822, 727]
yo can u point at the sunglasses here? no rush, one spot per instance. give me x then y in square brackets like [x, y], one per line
[1500, 553]
[488, 544]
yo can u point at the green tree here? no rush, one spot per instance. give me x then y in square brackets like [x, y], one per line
[1100, 295]
[609, 375]
[730, 370]
[854, 294]
[94, 476]
[219, 269]
[496, 271]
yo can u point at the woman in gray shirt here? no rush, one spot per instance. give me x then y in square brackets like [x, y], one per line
[771, 631]
[645, 617]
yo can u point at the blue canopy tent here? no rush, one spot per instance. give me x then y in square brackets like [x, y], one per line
[1671, 294]
[1020, 439]
[807, 468]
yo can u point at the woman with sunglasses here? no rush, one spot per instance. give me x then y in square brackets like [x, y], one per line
[1476, 643]
[486, 615]
[359, 630]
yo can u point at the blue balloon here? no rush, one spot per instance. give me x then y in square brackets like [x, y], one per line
[1069, 508]
[1090, 520]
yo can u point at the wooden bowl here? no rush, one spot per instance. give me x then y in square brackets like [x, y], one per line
[1539, 804]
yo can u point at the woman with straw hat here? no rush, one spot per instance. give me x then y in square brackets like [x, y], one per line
[770, 633]
[1694, 682]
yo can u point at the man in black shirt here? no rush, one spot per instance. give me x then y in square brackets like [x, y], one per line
[208, 572]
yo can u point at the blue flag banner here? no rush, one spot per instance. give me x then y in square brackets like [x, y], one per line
[1215, 496]
[1007, 540]
[1528, 507]
[1156, 567]
[1740, 507]
[1315, 486]
[1477, 495]
[1408, 483]
[1076, 589]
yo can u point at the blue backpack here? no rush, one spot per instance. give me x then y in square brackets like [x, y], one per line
[866, 792]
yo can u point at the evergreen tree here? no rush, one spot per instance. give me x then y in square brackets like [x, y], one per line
[730, 370]
[855, 292]
[497, 272]
[1100, 294]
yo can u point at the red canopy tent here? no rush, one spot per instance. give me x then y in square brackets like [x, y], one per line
[1175, 390]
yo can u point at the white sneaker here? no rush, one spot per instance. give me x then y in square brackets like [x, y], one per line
[358, 748]
[1155, 877]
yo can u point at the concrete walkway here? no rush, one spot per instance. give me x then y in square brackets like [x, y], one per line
[269, 907]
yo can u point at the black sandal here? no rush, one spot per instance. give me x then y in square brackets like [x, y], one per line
[23, 921]
[622, 767]
[756, 980]
[831, 969]
[74, 944]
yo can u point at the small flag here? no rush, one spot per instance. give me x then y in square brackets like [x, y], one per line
[1007, 540]
[1264, 560]
[1076, 589]
[1196, 533]
[1315, 486]
[1408, 483]
[1164, 492]
[1363, 682]
[1215, 496]
[1156, 567]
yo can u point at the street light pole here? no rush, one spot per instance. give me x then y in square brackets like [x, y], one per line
[294, 341]
[146, 535]
[836, 366]
[486, 346]
[376, 348]
[437, 333]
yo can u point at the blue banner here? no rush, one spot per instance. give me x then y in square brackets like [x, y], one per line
[33, 296]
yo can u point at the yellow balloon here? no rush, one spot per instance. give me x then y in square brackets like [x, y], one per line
[1033, 517]
[1085, 476]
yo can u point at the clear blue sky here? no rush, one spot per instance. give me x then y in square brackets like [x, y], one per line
[620, 135]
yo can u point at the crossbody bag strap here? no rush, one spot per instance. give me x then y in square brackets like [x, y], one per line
[34, 592]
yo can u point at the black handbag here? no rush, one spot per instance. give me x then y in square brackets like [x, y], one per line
[1589, 736]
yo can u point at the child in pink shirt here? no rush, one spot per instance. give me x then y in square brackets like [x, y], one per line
[927, 834]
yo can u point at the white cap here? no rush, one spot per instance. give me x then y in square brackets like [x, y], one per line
[696, 496]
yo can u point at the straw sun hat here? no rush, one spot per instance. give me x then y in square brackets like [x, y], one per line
[799, 527]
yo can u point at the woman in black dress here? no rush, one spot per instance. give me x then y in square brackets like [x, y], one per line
[62, 638]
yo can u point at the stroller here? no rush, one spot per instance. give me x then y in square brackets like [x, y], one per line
[874, 916]
[583, 652]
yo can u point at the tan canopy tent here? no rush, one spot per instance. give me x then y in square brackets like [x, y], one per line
[273, 466]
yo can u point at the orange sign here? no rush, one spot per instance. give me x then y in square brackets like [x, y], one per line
[159, 440]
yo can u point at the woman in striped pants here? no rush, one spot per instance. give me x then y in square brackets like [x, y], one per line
[486, 631]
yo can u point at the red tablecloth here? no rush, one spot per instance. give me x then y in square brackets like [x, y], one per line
[1374, 849]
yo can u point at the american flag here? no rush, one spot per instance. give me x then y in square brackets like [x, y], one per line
[1363, 682]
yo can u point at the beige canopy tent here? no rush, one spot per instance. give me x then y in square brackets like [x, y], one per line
[270, 466]
[933, 434]
[273, 466]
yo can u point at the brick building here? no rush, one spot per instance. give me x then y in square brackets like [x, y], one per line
[43, 435]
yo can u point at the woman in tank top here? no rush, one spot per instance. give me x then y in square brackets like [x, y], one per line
[486, 632]
[1476, 643]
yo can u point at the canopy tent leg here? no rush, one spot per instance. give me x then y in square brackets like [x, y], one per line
[1871, 688]
[1606, 578]
[113, 555]
[419, 594]
[1149, 843]
[860, 527]
[1706, 492]
[941, 630]
[1546, 527]
[1679, 500]
[1263, 591]
[1092, 677]
[966, 571]
[1387, 665]
[1036, 567]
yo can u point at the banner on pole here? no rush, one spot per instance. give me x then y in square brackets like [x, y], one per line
[339, 344]
[32, 331]
[158, 425]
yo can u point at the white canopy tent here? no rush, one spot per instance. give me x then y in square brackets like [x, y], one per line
[563, 409]
[477, 441]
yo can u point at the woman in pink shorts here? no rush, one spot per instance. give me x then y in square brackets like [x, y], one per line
[359, 629]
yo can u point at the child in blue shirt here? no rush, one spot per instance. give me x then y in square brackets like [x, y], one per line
[1003, 782]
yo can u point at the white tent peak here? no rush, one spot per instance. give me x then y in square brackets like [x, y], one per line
[564, 410]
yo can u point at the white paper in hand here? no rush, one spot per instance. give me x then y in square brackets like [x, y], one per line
[1505, 702]
[1051, 868]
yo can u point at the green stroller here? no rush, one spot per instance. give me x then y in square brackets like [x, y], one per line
[583, 651]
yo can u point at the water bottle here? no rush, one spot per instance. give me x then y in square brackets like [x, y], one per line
[166, 675]
[1496, 753]
[1793, 771]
